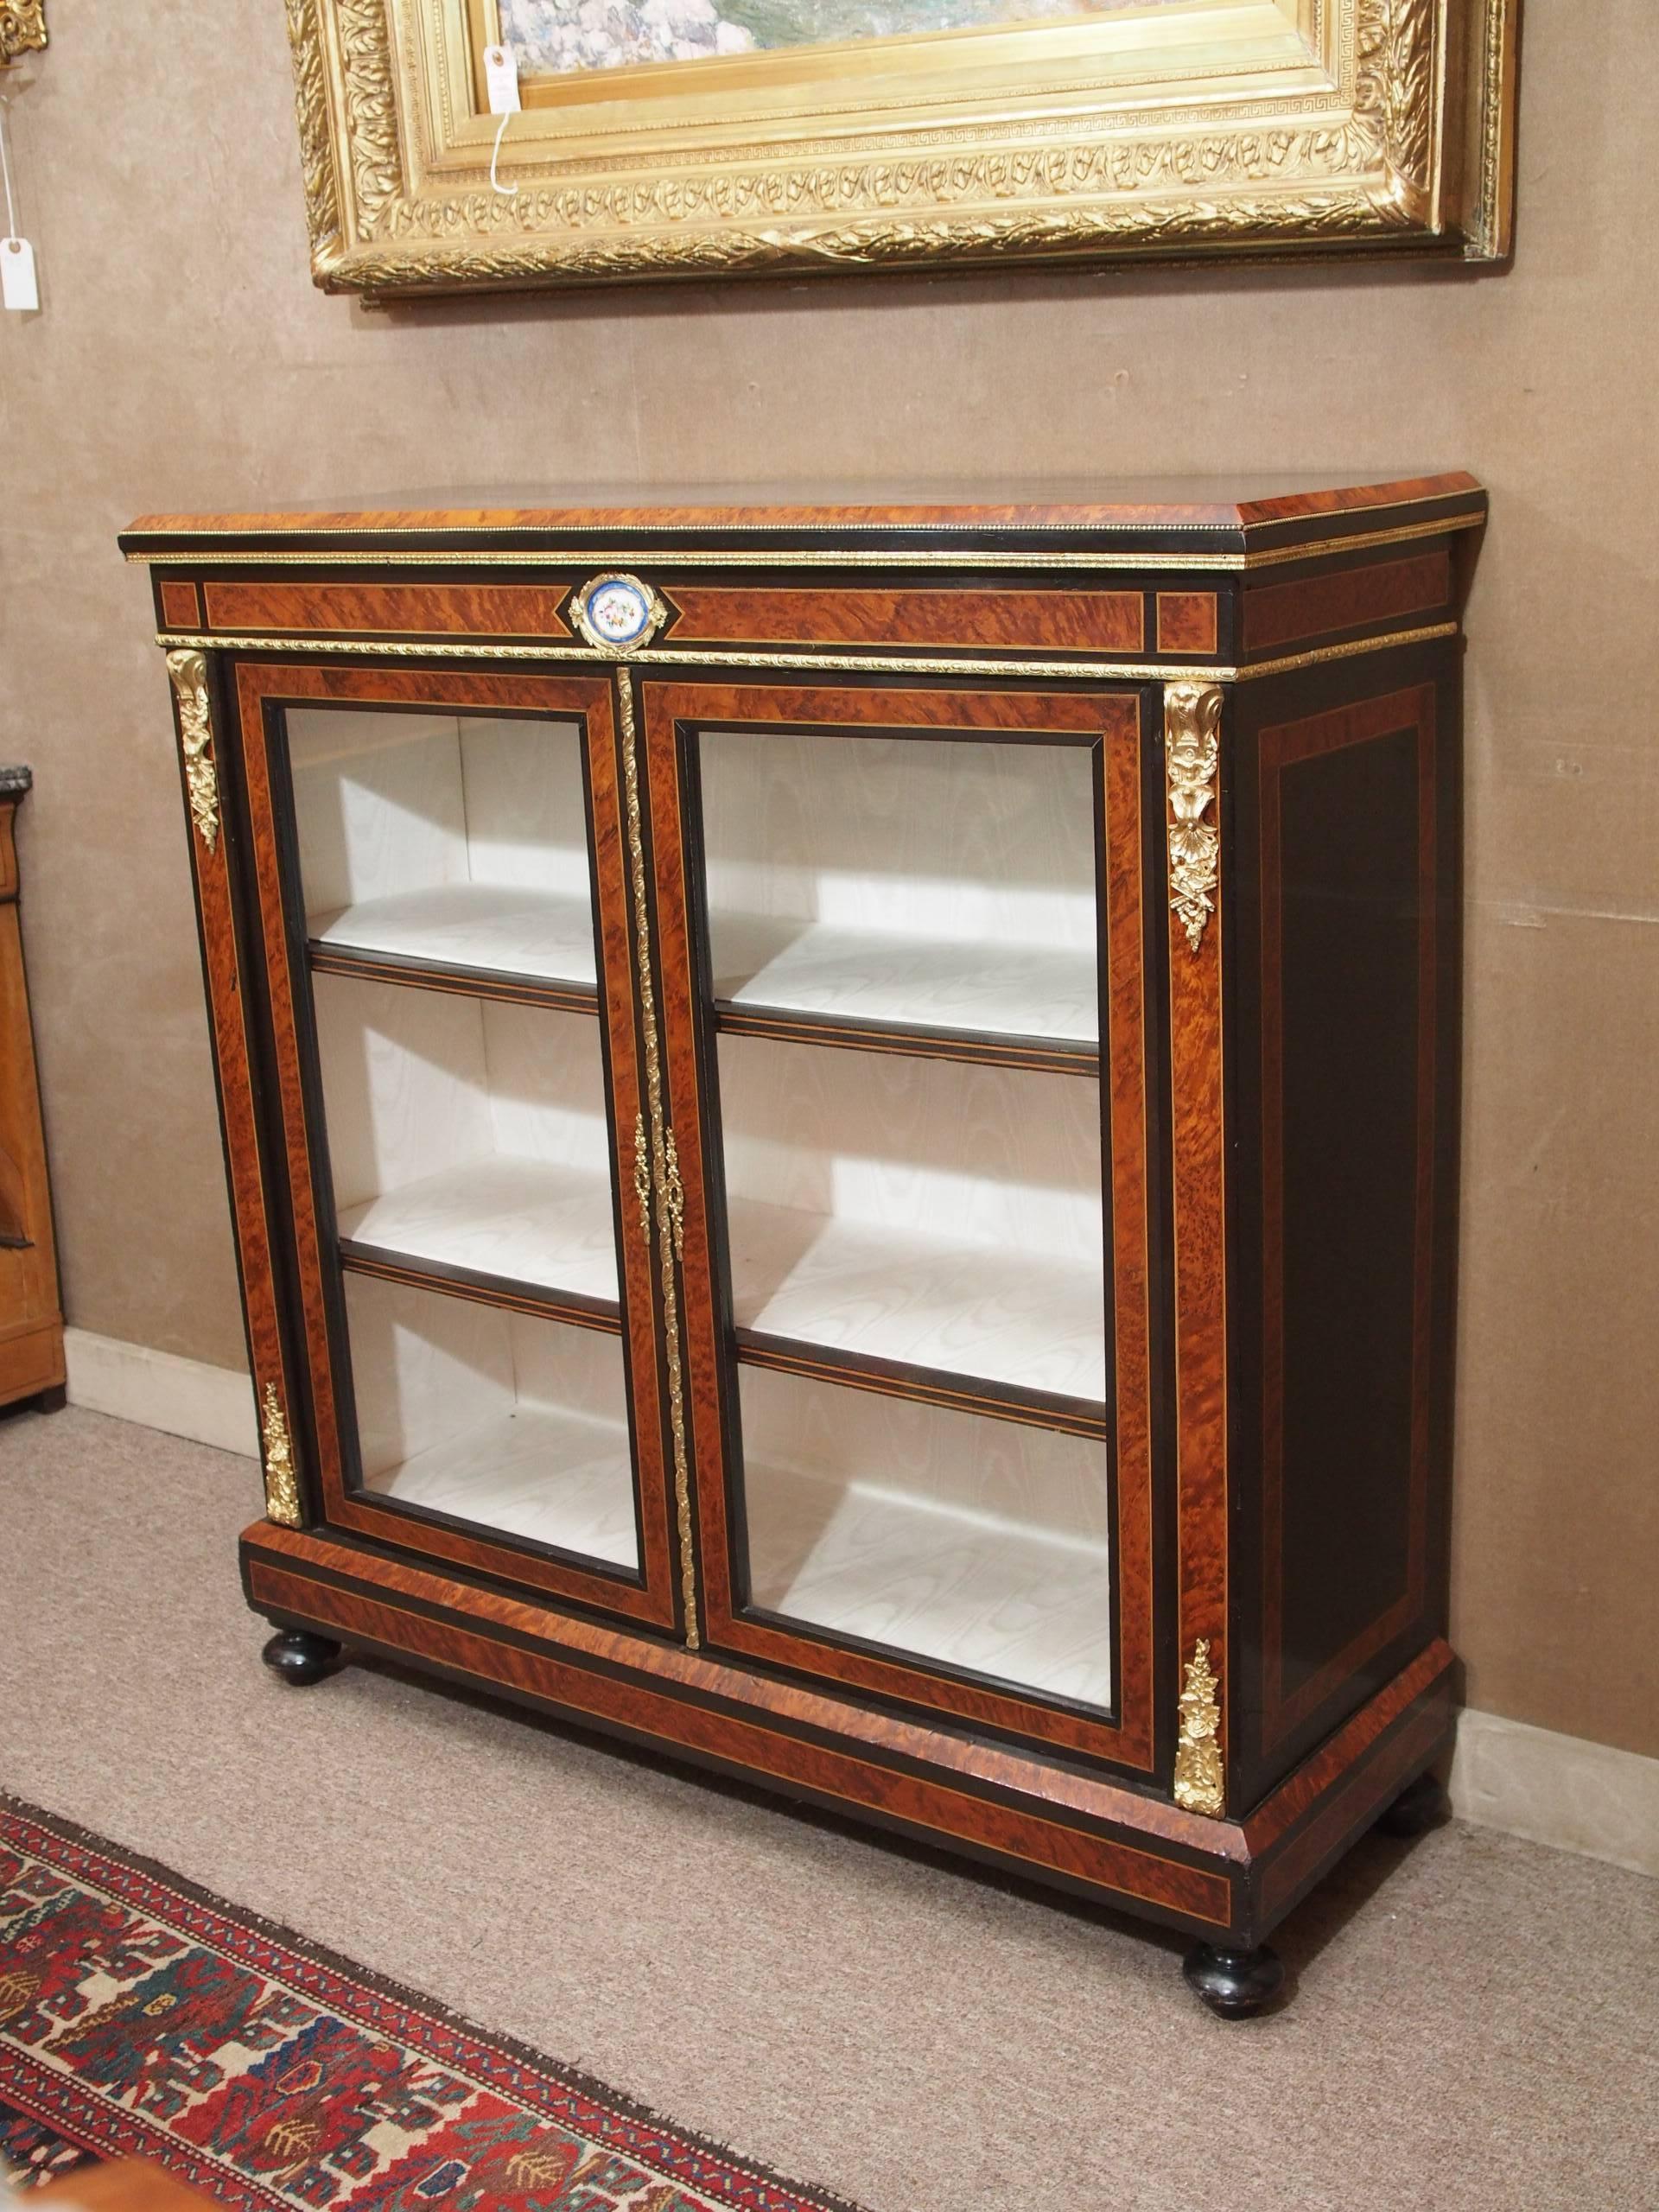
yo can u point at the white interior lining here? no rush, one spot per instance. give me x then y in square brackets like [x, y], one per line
[917, 1210]
[983, 1544]
[469, 1132]
[451, 839]
[942, 882]
[504, 1420]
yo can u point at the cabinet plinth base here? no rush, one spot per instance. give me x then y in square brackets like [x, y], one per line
[1234, 1983]
[1414, 1811]
[300, 1658]
[1116, 1839]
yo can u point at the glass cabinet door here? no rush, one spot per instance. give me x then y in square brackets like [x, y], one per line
[903, 1298]
[463, 1059]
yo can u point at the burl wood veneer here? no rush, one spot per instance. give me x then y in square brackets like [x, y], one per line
[1222, 725]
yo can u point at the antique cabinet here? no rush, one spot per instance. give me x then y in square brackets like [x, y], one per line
[31, 1320]
[841, 1120]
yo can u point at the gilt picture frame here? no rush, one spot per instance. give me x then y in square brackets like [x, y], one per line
[23, 29]
[674, 138]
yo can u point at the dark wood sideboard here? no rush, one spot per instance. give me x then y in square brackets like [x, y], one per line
[842, 1123]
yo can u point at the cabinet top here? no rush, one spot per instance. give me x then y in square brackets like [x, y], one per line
[1169, 514]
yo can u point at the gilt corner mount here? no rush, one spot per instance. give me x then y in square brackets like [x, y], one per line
[22, 29]
[661, 138]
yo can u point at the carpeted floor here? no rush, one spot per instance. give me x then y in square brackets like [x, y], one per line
[1475, 2024]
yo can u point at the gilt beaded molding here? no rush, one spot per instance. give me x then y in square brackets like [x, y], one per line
[1360, 124]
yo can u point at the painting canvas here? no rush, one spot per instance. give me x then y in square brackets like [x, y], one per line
[554, 37]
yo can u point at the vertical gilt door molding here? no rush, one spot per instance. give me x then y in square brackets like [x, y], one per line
[661, 1177]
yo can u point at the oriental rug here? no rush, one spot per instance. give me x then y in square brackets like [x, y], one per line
[141, 2018]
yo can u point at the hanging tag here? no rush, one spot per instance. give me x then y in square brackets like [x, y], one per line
[18, 286]
[501, 77]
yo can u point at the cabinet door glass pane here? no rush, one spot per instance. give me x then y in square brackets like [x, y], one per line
[445, 839]
[468, 1133]
[450, 918]
[981, 1544]
[498, 1418]
[930, 881]
[903, 976]
[917, 1210]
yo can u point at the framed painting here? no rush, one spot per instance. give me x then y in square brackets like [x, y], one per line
[658, 139]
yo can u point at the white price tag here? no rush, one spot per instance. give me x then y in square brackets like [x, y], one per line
[501, 78]
[18, 285]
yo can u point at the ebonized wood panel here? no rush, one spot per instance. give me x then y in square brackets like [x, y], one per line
[1344, 999]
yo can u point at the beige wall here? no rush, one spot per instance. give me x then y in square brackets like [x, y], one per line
[184, 360]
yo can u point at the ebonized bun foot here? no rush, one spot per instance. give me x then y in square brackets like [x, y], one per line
[1417, 1810]
[52, 1400]
[299, 1657]
[1234, 1983]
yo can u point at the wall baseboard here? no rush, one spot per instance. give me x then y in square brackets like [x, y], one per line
[1560, 1790]
[186, 1397]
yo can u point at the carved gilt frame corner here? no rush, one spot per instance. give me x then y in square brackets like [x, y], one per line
[1238, 127]
[22, 29]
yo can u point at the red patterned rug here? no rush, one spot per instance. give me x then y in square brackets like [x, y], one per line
[141, 2018]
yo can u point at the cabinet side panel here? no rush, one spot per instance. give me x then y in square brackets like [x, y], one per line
[1345, 1110]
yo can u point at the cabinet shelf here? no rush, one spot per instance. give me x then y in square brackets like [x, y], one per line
[1046, 1056]
[973, 1544]
[872, 983]
[976, 1311]
[481, 1287]
[550, 1477]
[484, 937]
[900, 1378]
[518, 1223]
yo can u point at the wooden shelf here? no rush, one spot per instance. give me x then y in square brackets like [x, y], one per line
[481, 1287]
[460, 982]
[549, 1476]
[880, 984]
[516, 1222]
[977, 1047]
[898, 1378]
[972, 1312]
[497, 935]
